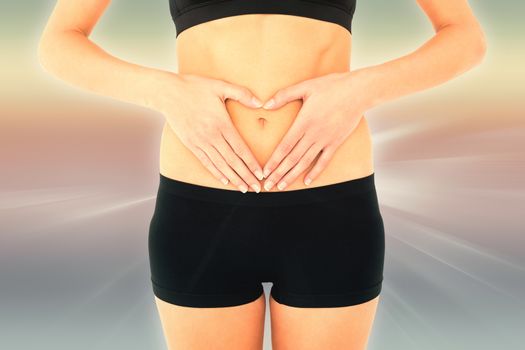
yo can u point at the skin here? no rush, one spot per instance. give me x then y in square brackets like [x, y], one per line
[214, 130]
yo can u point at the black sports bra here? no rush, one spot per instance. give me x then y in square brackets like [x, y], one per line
[188, 13]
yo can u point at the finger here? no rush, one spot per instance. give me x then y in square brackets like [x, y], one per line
[206, 161]
[301, 166]
[241, 94]
[238, 145]
[287, 143]
[320, 164]
[285, 95]
[224, 167]
[288, 162]
[236, 163]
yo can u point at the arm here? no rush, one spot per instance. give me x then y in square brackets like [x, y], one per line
[458, 45]
[66, 51]
[333, 104]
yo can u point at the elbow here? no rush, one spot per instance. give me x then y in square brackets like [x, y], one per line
[49, 48]
[44, 50]
[477, 45]
[471, 42]
[480, 48]
[52, 47]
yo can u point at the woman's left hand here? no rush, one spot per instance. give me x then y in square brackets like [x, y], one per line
[333, 105]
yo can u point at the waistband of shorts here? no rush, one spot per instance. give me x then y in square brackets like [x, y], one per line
[273, 198]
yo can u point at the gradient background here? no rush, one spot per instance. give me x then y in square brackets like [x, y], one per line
[79, 174]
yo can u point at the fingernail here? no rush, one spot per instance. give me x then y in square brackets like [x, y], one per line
[224, 180]
[257, 103]
[269, 104]
[307, 181]
[243, 188]
[268, 185]
[281, 185]
[266, 172]
[256, 187]
[259, 174]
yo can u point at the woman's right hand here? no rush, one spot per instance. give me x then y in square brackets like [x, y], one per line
[194, 107]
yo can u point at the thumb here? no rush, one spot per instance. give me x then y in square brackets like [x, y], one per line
[285, 95]
[241, 94]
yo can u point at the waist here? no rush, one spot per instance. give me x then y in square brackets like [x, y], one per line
[345, 189]
[265, 60]
[353, 159]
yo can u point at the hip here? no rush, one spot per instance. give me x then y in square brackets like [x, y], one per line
[321, 247]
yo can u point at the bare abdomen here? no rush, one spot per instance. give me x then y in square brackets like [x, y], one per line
[270, 53]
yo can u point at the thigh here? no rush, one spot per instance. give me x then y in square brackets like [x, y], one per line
[203, 272]
[329, 256]
[334, 328]
[329, 253]
[201, 252]
[235, 327]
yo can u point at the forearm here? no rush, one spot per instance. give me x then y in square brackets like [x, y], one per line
[74, 58]
[453, 50]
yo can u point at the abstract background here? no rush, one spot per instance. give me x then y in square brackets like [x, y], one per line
[79, 174]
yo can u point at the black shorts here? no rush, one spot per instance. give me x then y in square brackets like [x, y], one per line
[321, 246]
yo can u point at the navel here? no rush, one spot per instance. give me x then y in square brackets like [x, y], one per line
[262, 121]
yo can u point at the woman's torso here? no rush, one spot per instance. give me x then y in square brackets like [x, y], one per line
[265, 52]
